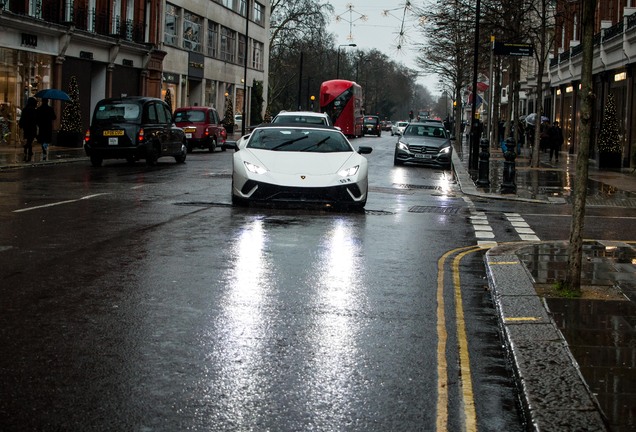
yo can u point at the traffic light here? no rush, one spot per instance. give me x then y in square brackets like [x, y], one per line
[411, 114]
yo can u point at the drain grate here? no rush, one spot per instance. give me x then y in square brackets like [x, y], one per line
[412, 186]
[202, 204]
[378, 212]
[435, 209]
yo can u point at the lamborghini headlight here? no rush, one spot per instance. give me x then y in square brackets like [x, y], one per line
[256, 169]
[349, 171]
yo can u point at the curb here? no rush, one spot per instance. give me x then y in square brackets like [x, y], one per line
[553, 393]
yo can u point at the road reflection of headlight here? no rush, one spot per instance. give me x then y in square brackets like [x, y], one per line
[349, 171]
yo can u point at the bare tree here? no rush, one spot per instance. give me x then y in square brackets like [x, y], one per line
[575, 249]
[448, 51]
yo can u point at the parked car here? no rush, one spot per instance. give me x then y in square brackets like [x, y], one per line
[398, 127]
[371, 125]
[134, 128]
[202, 127]
[299, 164]
[386, 125]
[303, 117]
[424, 143]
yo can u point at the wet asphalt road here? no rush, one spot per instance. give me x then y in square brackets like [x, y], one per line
[137, 298]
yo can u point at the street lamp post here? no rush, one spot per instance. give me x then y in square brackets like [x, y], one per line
[338, 61]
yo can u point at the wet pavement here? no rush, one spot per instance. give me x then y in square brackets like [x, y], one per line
[574, 360]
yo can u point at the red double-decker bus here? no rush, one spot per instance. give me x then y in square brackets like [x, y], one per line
[342, 101]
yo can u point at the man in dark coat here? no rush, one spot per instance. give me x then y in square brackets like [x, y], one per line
[556, 140]
[45, 118]
[29, 125]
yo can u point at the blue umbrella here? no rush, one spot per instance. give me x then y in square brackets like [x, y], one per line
[52, 94]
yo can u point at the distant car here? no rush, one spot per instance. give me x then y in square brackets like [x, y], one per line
[238, 122]
[202, 127]
[386, 125]
[299, 164]
[426, 144]
[371, 126]
[134, 128]
[303, 118]
[398, 127]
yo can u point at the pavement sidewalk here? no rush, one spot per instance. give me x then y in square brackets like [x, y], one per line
[574, 360]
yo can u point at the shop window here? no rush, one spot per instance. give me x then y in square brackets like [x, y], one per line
[192, 32]
[258, 13]
[228, 44]
[213, 39]
[170, 27]
[257, 55]
[241, 49]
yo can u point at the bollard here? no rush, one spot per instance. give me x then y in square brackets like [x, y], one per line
[484, 163]
[508, 184]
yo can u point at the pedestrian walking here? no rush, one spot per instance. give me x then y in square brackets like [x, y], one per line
[556, 140]
[29, 125]
[45, 117]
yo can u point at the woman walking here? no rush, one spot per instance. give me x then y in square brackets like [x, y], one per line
[29, 125]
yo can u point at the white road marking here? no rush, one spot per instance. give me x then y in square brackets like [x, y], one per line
[58, 203]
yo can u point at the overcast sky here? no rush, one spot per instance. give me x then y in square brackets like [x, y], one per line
[380, 31]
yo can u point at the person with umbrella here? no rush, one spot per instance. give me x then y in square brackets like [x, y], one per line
[45, 116]
[29, 125]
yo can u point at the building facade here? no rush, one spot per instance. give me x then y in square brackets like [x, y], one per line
[198, 48]
[614, 68]
[215, 50]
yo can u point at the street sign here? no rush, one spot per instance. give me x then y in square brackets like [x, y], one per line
[512, 49]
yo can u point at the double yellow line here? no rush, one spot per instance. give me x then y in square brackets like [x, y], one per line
[470, 417]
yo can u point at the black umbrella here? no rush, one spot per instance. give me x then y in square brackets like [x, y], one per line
[52, 94]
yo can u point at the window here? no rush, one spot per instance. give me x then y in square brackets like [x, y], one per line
[35, 8]
[228, 4]
[192, 32]
[170, 28]
[257, 14]
[241, 49]
[228, 43]
[213, 39]
[161, 114]
[116, 14]
[242, 7]
[152, 113]
[257, 55]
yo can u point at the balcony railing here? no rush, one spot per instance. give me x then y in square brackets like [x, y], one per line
[83, 18]
[613, 31]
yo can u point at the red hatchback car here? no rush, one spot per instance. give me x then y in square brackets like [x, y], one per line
[202, 127]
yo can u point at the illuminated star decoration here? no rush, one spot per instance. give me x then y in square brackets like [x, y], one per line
[351, 19]
[402, 39]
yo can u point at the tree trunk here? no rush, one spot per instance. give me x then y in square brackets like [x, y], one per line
[575, 248]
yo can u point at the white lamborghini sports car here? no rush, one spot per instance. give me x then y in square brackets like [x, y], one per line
[285, 163]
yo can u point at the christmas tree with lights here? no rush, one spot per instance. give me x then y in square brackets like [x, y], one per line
[168, 99]
[609, 141]
[71, 133]
[72, 115]
[228, 119]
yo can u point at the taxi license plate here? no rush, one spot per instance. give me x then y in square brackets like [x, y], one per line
[424, 156]
[113, 141]
[189, 129]
[188, 135]
[113, 133]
